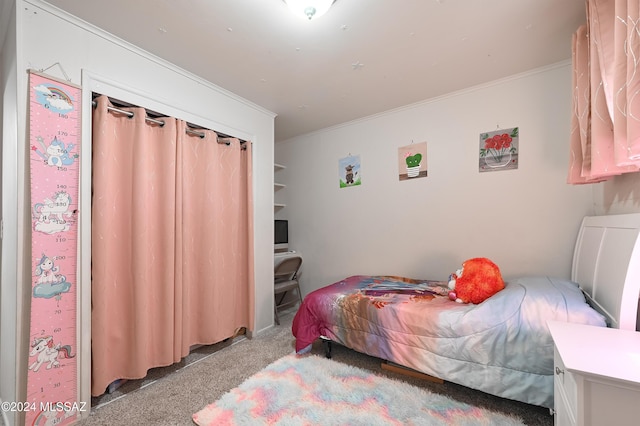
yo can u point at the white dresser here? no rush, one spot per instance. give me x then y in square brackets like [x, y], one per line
[597, 375]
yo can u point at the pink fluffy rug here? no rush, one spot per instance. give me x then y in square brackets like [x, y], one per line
[311, 390]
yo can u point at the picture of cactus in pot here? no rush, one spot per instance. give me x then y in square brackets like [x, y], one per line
[413, 164]
[412, 161]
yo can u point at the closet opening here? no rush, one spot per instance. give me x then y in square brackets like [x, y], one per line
[171, 243]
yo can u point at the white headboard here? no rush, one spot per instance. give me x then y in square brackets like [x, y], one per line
[606, 265]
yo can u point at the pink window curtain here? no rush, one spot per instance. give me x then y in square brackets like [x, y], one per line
[605, 130]
[166, 274]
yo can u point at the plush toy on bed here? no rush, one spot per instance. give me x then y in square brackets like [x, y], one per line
[477, 280]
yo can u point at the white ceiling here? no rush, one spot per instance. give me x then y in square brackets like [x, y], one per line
[361, 58]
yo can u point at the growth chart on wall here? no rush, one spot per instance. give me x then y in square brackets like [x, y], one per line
[54, 139]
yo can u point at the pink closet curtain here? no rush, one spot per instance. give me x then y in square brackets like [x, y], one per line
[166, 274]
[214, 237]
[605, 130]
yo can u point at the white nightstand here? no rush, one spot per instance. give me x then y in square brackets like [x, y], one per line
[597, 375]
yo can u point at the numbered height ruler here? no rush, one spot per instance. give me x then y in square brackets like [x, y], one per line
[54, 137]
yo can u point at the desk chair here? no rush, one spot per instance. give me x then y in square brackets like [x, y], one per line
[285, 279]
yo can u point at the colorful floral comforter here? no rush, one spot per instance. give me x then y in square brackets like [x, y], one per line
[501, 346]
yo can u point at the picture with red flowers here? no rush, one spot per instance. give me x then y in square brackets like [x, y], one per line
[499, 150]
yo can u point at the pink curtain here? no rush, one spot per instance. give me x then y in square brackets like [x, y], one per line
[213, 243]
[171, 243]
[605, 131]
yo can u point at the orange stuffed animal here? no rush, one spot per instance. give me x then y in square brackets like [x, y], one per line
[477, 280]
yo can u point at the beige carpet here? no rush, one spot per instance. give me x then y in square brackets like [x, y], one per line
[169, 396]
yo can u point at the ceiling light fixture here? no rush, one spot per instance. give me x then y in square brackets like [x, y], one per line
[309, 9]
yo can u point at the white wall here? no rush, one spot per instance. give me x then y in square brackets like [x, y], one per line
[526, 220]
[45, 36]
[619, 195]
[8, 250]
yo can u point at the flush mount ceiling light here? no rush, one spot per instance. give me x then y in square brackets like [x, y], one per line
[309, 9]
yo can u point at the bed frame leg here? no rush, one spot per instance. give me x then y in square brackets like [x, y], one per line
[327, 347]
[396, 368]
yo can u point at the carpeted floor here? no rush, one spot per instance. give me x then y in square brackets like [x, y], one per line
[170, 395]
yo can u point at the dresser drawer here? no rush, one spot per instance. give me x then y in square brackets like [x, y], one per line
[565, 393]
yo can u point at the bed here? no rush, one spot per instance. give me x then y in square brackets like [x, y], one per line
[501, 346]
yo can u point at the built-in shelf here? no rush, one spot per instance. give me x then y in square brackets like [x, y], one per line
[277, 186]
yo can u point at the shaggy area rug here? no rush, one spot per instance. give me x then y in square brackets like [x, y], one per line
[310, 390]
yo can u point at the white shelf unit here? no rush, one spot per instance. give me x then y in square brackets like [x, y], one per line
[277, 186]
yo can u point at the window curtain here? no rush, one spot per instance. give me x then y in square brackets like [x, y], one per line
[605, 127]
[171, 248]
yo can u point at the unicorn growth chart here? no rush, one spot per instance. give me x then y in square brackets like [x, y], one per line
[54, 139]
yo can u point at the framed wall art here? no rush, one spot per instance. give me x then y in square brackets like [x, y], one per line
[349, 171]
[412, 161]
[499, 150]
